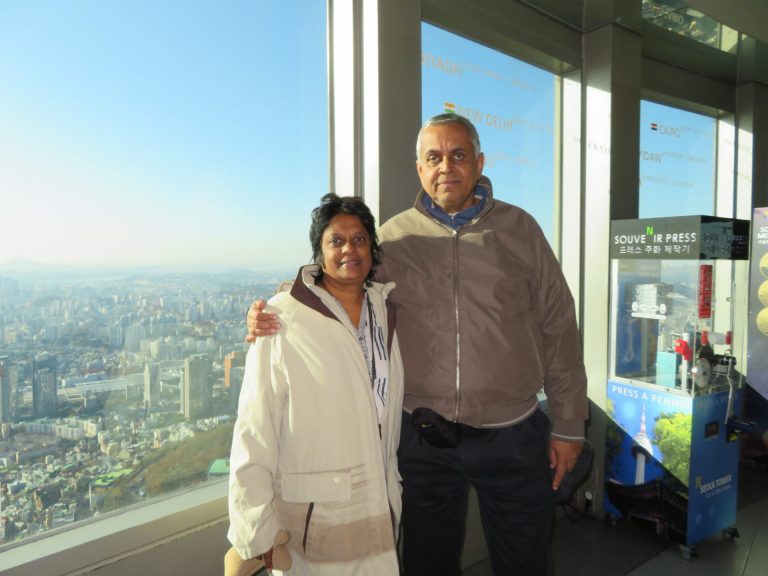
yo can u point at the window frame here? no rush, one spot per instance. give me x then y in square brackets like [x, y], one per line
[105, 540]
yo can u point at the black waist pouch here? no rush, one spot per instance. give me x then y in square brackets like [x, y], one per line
[435, 429]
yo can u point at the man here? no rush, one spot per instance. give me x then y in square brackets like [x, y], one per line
[485, 320]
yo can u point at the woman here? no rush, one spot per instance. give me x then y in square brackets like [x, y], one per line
[315, 442]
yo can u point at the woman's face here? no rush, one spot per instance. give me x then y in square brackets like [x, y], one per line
[346, 250]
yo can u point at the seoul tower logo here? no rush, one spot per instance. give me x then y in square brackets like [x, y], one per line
[641, 450]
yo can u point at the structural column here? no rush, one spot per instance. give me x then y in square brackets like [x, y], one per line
[610, 188]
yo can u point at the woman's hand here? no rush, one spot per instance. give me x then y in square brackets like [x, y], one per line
[277, 558]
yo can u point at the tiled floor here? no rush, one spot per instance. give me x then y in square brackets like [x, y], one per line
[592, 547]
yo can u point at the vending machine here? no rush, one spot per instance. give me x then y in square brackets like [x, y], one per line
[674, 390]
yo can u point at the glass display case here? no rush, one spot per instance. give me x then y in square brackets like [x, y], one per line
[663, 326]
[674, 386]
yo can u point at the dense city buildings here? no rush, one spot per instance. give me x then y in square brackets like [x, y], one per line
[115, 390]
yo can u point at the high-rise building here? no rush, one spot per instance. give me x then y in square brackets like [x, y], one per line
[132, 336]
[236, 380]
[116, 336]
[235, 359]
[198, 387]
[151, 384]
[5, 389]
[14, 398]
[44, 387]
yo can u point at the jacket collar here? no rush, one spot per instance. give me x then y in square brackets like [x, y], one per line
[304, 291]
[483, 188]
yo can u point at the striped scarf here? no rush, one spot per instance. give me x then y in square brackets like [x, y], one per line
[374, 346]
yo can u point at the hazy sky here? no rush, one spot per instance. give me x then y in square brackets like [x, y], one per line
[161, 131]
[195, 132]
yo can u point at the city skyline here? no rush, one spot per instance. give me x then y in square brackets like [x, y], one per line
[26, 270]
[114, 392]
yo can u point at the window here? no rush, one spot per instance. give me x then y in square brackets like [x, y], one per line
[511, 103]
[677, 162]
[158, 163]
[676, 16]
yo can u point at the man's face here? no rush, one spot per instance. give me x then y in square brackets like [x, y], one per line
[447, 166]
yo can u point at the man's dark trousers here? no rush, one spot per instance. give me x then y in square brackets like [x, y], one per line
[509, 469]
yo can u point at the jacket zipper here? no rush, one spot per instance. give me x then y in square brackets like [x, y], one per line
[455, 234]
[306, 525]
[456, 317]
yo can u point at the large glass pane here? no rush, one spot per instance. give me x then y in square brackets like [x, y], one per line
[511, 103]
[677, 162]
[158, 163]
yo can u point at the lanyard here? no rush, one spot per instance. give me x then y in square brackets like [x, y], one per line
[372, 346]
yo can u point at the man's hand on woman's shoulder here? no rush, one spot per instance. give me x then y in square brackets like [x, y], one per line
[260, 323]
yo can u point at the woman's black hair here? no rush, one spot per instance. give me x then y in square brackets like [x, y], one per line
[331, 206]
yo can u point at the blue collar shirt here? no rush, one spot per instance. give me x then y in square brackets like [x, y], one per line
[461, 218]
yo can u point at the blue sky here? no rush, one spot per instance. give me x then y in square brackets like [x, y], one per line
[178, 132]
[158, 132]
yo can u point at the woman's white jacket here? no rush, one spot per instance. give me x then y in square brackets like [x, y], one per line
[309, 453]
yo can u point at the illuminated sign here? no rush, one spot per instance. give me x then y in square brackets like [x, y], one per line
[680, 238]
